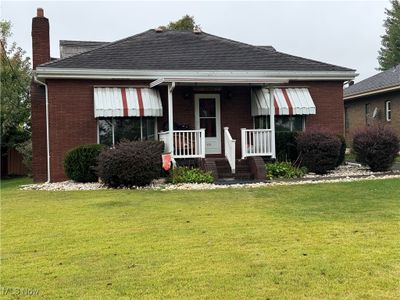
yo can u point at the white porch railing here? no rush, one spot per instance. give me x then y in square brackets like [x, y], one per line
[187, 143]
[256, 142]
[230, 149]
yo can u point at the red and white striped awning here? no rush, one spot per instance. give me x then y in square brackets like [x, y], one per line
[126, 102]
[287, 101]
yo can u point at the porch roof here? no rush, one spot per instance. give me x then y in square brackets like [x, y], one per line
[287, 101]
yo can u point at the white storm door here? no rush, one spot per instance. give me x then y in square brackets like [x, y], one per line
[208, 116]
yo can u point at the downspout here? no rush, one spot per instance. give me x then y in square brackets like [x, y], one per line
[47, 125]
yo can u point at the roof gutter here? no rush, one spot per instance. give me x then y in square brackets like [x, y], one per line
[230, 81]
[372, 92]
[46, 72]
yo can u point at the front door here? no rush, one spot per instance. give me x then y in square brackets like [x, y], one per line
[207, 116]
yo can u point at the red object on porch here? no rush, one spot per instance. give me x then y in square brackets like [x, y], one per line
[166, 159]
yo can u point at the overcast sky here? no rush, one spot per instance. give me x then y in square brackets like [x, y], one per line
[344, 33]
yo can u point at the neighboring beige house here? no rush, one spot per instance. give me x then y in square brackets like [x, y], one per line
[373, 101]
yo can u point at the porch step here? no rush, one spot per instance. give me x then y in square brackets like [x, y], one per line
[223, 170]
[243, 170]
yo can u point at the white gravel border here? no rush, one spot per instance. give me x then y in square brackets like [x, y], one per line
[344, 173]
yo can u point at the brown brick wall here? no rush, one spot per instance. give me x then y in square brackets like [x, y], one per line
[356, 116]
[72, 121]
[39, 146]
[328, 99]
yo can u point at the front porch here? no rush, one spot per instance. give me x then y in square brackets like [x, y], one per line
[213, 121]
[228, 121]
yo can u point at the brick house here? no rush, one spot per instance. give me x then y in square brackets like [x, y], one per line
[205, 96]
[373, 101]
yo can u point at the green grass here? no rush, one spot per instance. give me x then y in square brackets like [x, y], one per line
[326, 241]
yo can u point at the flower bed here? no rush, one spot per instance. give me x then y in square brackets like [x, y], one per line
[344, 173]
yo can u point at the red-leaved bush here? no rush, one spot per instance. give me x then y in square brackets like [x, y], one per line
[130, 163]
[376, 147]
[318, 151]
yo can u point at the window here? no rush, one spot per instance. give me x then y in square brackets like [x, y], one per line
[113, 130]
[367, 113]
[282, 123]
[388, 111]
[261, 122]
[208, 116]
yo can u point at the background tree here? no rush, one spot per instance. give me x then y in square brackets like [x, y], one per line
[185, 23]
[389, 54]
[15, 83]
[15, 75]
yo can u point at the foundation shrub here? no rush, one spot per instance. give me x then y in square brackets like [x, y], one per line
[191, 175]
[318, 151]
[80, 163]
[130, 163]
[376, 147]
[284, 169]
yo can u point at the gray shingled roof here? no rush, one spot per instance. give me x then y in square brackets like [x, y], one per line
[69, 48]
[383, 80]
[185, 50]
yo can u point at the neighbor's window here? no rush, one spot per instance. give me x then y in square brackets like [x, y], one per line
[346, 118]
[113, 130]
[367, 113]
[282, 123]
[388, 110]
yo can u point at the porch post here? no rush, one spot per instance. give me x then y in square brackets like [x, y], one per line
[171, 87]
[272, 120]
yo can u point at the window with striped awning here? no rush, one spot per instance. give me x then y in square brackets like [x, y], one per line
[126, 102]
[287, 101]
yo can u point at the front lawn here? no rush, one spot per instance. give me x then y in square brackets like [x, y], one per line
[325, 241]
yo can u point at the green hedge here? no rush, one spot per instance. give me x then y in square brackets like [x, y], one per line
[80, 163]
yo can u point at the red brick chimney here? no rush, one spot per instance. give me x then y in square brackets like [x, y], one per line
[40, 39]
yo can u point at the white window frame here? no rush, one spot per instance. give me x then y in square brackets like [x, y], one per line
[113, 127]
[388, 110]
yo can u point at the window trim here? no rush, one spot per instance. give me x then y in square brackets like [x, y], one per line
[388, 110]
[113, 128]
[346, 119]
